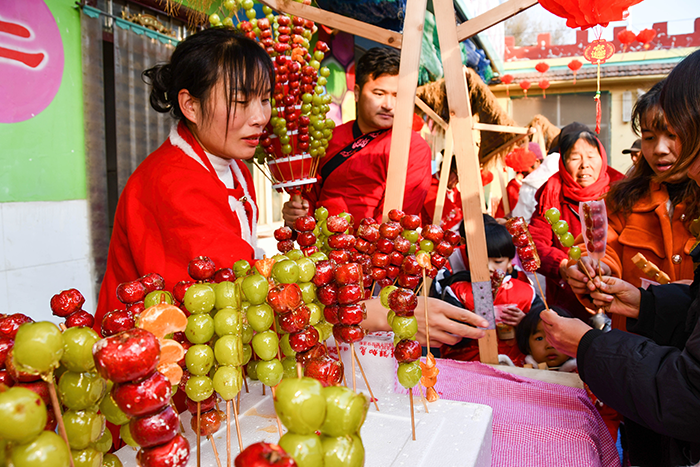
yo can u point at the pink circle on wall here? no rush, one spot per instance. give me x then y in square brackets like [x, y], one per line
[31, 59]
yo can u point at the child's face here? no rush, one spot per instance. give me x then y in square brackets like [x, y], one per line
[542, 351]
[503, 263]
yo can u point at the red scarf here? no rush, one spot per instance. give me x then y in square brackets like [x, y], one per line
[561, 187]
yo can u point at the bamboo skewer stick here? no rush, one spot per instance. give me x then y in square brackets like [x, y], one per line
[422, 398]
[199, 446]
[238, 426]
[279, 424]
[544, 299]
[340, 359]
[362, 370]
[216, 453]
[352, 361]
[57, 413]
[413, 420]
[245, 381]
[228, 433]
[425, 302]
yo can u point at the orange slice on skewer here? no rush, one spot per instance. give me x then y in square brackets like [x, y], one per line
[162, 319]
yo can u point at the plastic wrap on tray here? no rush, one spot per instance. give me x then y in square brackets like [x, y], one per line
[524, 244]
[594, 225]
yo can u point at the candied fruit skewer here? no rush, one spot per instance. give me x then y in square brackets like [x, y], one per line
[517, 227]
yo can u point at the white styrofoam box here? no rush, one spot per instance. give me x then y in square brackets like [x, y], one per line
[40, 233]
[3, 259]
[453, 434]
[4, 303]
[29, 290]
[376, 353]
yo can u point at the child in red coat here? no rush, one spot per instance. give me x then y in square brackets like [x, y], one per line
[515, 295]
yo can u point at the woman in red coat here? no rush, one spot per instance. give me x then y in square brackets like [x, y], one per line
[583, 175]
[194, 195]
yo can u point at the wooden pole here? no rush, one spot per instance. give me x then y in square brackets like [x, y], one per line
[494, 16]
[405, 101]
[468, 169]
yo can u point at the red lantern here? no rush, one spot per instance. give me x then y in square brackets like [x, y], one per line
[543, 84]
[525, 85]
[542, 67]
[645, 36]
[587, 13]
[626, 38]
[575, 65]
[507, 79]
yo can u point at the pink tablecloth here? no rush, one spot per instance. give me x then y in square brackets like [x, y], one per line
[534, 423]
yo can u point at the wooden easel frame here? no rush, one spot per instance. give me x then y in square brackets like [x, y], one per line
[409, 42]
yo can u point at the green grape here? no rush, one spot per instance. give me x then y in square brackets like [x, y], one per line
[295, 254]
[247, 333]
[346, 451]
[307, 269]
[404, 327]
[560, 227]
[23, 415]
[228, 321]
[46, 450]
[409, 374]
[83, 427]
[384, 294]
[412, 249]
[279, 257]
[199, 359]
[390, 317]
[567, 239]
[228, 294]
[247, 353]
[200, 298]
[322, 151]
[325, 330]
[575, 253]
[125, 435]
[89, 457]
[200, 328]
[330, 124]
[552, 215]
[286, 148]
[110, 410]
[199, 388]
[315, 313]
[308, 291]
[251, 369]
[315, 63]
[104, 444]
[427, 245]
[214, 19]
[228, 350]
[156, 297]
[80, 391]
[286, 272]
[322, 81]
[38, 346]
[265, 345]
[228, 381]
[241, 268]
[326, 132]
[289, 367]
[228, 22]
[251, 14]
[306, 98]
[318, 256]
[346, 411]
[77, 348]
[260, 317]
[306, 108]
[285, 347]
[410, 235]
[324, 71]
[284, 139]
[306, 449]
[255, 288]
[3, 452]
[110, 460]
[270, 372]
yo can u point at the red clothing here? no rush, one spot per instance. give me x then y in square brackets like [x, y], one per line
[451, 211]
[358, 185]
[513, 193]
[172, 210]
[512, 291]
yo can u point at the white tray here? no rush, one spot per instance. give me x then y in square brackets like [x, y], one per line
[452, 434]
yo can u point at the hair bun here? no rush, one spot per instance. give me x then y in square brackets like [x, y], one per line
[160, 79]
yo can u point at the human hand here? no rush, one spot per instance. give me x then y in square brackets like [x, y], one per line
[443, 327]
[293, 209]
[564, 334]
[578, 274]
[621, 297]
[511, 315]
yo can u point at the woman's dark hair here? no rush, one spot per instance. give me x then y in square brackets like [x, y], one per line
[624, 194]
[376, 62]
[572, 133]
[528, 326]
[680, 99]
[204, 58]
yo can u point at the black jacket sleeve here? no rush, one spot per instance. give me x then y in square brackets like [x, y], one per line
[662, 315]
[657, 386]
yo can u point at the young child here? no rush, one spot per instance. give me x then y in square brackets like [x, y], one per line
[523, 161]
[515, 294]
[529, 334]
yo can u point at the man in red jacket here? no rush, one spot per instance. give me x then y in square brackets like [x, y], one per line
[353, 173]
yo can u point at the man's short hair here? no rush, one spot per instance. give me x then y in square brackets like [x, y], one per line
[376, 62]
